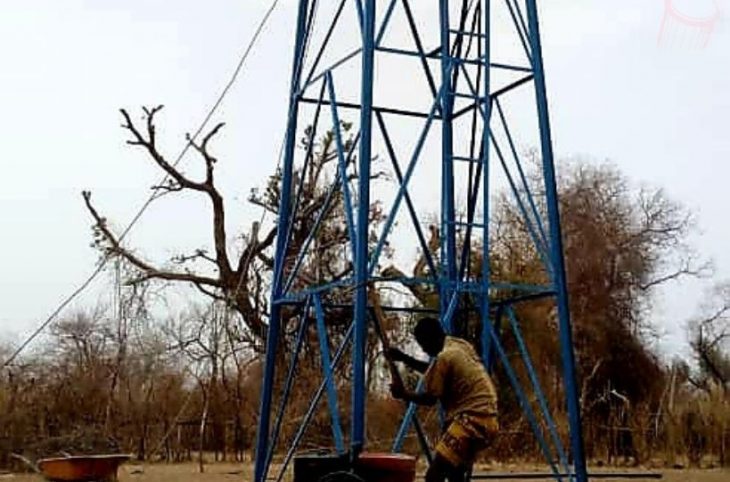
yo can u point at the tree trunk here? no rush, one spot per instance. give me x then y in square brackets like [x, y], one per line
[203, 423]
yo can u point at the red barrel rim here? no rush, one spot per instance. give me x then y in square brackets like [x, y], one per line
[387, 461]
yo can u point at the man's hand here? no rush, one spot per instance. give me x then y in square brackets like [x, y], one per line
[395, 355]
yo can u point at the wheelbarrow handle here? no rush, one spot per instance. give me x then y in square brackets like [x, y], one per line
[27, 462]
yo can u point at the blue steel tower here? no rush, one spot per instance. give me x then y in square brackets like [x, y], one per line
[432, 83]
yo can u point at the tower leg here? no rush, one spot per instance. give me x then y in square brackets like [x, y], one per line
[357, 440]
[486, 132]
[272, 338]
[448, 210]
[556, 248]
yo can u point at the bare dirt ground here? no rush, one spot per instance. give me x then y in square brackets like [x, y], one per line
[224, 472]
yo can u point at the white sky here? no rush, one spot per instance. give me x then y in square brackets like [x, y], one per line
[657, 109]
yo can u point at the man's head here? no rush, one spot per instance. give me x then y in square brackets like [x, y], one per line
[430, 335]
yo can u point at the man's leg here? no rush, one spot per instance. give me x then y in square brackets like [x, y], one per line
[441, 470]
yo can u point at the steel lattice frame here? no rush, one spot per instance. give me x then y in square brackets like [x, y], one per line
[466, 94]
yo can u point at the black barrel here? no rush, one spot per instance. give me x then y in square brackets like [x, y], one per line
[313, 466]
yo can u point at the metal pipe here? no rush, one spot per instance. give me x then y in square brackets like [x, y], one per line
[341, 162]
[357, 438]
[384, 24]
[313, 405]
[486, 273]
[537, 241]
[448, 209]
[411, 209]
[324, 348]
[523, 178]
[406, 178]
[524, 402]
[303, 324]
[566, 335]
[542, 401]
[272, 339]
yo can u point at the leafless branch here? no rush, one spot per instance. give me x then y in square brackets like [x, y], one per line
[148, 271]
[686, 270]
[198, 254]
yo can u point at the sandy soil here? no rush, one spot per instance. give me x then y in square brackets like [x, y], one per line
[236, 472]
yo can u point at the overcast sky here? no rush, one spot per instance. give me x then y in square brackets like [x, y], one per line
[654, 105]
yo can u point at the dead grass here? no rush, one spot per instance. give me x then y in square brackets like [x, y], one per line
[224, 472]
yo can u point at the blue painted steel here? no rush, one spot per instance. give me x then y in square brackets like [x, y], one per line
[323, 288]
[448, 204]
[341, 162]
[405, 425]
[411, 411]
[532, 374]
[455, 281]
[455, 60]
[566, 336]
[411, 209]
[471, 211]
[360, 14]
[523, 178]
[272, 341]
[333, 66]
[488, 356]
[384, 24]
[521, 18]
[467, 33]
[523, 41]
[474, 180]
[417, 424]
[317, 223]
[524, 401]
[307, 158]
[512, 86]
[357, 439]
[419, 47]
[324, 45]
[516, 68]
[467, 96]
[486, 273]
[479, 101]
[388, 224]
[324, 348]
[313, 404]
[540, 247]
[423, 441]
[303, 325]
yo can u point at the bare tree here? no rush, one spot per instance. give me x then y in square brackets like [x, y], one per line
[710, 340]
[231, 281]
[242, 284]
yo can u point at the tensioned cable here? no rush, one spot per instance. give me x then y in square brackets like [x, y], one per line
[153, 196]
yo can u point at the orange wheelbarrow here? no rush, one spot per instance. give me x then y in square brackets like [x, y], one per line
[80, 468]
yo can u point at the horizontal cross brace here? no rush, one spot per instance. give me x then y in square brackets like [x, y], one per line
[384, 110]
[462, 223]
[436, 55]
[468, 34]
[468, 159]
[495, 95]
[468, 96]
[494, 304]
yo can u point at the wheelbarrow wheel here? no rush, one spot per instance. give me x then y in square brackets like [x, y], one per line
[342, 476]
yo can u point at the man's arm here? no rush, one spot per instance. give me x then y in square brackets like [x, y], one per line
[396, 355]
[401, 393]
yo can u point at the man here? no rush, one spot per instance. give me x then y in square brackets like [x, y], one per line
[458, 380]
